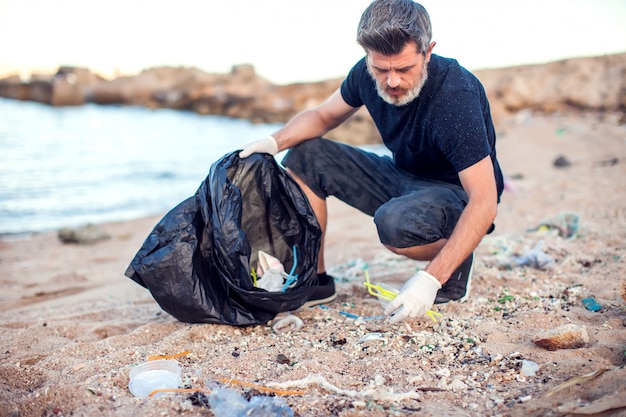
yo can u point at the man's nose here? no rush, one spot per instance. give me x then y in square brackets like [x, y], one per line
[393, 80]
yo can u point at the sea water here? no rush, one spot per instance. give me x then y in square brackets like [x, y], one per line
[70, 166]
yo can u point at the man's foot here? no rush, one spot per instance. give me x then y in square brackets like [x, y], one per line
[457, 288]
[323, 292]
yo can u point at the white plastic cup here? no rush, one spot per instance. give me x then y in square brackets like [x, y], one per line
[152, 375]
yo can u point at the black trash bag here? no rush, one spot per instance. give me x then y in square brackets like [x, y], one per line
[197, 260]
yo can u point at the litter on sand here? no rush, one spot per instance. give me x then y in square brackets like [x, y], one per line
[566, 224]
[536, 258]
[591, 304]
[376, 394]
[386, 293]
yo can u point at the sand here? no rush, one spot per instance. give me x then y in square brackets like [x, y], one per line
[73, 326]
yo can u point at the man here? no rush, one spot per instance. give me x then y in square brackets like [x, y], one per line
[437, 197]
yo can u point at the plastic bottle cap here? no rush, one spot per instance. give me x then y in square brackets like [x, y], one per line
[152, 375]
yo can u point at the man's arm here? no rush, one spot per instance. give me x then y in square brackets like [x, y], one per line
[479, 183]
[419, 292]
[308, 124]
[315, 122]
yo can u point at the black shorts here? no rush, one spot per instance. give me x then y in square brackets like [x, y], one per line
[408, 210]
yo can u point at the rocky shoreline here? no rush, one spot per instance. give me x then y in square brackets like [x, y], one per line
[592, 84]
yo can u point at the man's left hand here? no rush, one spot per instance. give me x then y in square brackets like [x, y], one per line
[266, 145]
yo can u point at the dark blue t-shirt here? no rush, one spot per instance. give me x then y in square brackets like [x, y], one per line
[443, 131]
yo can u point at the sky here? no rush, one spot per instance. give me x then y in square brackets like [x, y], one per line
[289, 40]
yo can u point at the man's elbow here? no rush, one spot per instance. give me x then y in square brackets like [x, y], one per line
[491, 210]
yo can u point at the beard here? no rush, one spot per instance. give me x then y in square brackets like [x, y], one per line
[409, 94]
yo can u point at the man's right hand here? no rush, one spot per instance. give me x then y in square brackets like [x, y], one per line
[416, 297]
[267, 145]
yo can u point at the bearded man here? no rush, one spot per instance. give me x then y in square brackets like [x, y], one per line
[436, 196]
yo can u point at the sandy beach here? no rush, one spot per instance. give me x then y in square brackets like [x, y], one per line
[73, 326]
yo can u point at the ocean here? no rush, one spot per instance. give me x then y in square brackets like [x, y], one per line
[71, 166]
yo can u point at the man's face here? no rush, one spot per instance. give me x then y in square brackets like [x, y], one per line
[399, 78]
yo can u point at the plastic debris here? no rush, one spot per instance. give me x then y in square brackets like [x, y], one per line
[156, 375]
[382, 291]
[288, 323]
[591, 304]
[371, 336]
[352, 315]
[434, 315]
[566, 224]
[174, 356]
[226, 402]
[529, 368]
[267, 262]
[272, 280]
[386, 293]
[270, 274]
[376, 393]
[536, 258]
[218, 384]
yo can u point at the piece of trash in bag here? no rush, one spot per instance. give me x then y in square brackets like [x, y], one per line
[271, 275]
[267, 262]
[272, 280]
[535, 258]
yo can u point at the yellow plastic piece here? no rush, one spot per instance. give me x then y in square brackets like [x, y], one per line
[434, 315]
[253, 273]
[176, 355]
[377, 290]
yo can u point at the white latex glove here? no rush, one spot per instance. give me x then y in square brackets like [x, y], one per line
[266, 145]
[416, 297]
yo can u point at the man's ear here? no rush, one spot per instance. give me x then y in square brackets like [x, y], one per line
[429, 51]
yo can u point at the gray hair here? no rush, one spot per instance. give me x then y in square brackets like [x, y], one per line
[387, 25]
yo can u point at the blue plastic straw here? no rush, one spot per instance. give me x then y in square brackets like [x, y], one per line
[292, 278]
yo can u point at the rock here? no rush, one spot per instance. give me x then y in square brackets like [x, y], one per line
[561, 162]
[592, 83]
[70, 86]
[13, 87]
[39, 90]
[82, 235]
[569, 336]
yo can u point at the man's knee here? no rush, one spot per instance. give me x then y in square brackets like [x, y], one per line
[301, 153]
[403, 226]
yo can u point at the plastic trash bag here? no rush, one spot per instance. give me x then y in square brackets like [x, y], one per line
[197, 260]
